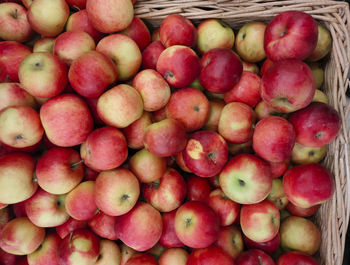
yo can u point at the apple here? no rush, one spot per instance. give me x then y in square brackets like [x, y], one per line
[246, 179]
[46, 252]
[126, 253]
[21, 237]
[290, 35]
[264, 110]
[277, 195]
[316, 125]
[159, 115]
[215, 109]
[214, 33]
[103, 225]
[302, 212]
[175, 29]
[69, 226]
[300, 234]
[14, 25]
[320, 97]
[19, 209]
[196, 224]
[151, 54]
[295, 257]
[324, 45]
[267, 64]
[198, 188]
[8, 259]
[59, 170]
[254, 256]
[92, 104]
[168, 238]
[288, 85]
[249, 42]
[209, 256]
[51, 22]
[250, 67]
[221, 69]
[139, 32]
[306, 155]
[141, 259]
[279, 168]
[140, 228]
[156, 251]
[230, 240]
[109, 253]
[244, 148]
[318, 73]
[120, 106]
[116, 191]
[44, 44]
[273, 139]
[181, 163]
[155, 36]
[11, 94]
[270, 247]
[16, 177]
[173, 256]
[179, 65]
[79, 4]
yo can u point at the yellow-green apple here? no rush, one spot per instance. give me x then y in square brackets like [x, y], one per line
[226, 209]
[321, 186]
[44, 44]
[116, 191]
[320, 97]
[167, 193]
[295, 257]
[316, 125]
[151, 54]
[168, 238]
[124, 52]
[79, 21]
[230, 240]
[104, 149]
[279, 168]
[17, 181]
[274, 138]
[306, 155]
[43, 74]
[46, 252]
[302, 212]
[261, 221]
[179, 159]
[109, 16]
[51, 22]
[69, 226]
[155, 34]
[78, 4]
[289, 85]
[267, 64]
[135, 131]
[103, 225]
[20, 126]
[14, 52]
[146, 166]
[198, 188]
[179, 65]
[247, 90]
[277, 195]
[318, 72]
[173, 256]
[206, 153]
[21, 237]
[236, 122]
[264, 110]
[120, 106]
[300, 234]
[196, 224]
[141, 259]
[249, 42]
[126, 253]
[139, 32]
[140, 228]
[79, 247]
[290, 35]
[59, 170]
[165, 138]
[254, 256]
[109, 253]
[177, 30]
[156, 251]
[245, 148]
[9, 259]
[221, 69]
[66, 120]
[209, 256]
[46, 210]
[14, 25]
[250, 67]
[80, 203]
[324, 45]
[154, 90]
[189, 106]
[214, 33]
[215, 108]
[269, 246]
[11, 94]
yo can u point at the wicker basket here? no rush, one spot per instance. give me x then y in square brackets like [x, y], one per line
[333, 217]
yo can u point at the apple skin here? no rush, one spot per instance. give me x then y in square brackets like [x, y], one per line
[169, 239]
[264, 110]
[14, 25]
[21, 237]
[81, 4]
[198, 188]
[45, 44]
[288, 85]
[302, 212]
[58, 170]
[46, 253]
[51, 22]
[279, 168]
[323, 47]
[215, 109]
[295, 257]
[319, 190]
[141, 259]
[66, 120]
[221, 69]
[318, 73]
[8, 259]
[151, 54]
[109, 253]
[173, 256]
[290, 35]
[110, 16]
[230, 240]
[277, 194]
[250, 67]
[103, 225]
[104, 149]
[209, 256]
[196, 224]
[16, 177]
[269, 246]
[11, 94]
[135, 131]
[139, 32]
[116, 191]
[306, 155]
[254, 256]
[126, 253]
[316, 125]
[19, 209]
[273, 139]
[177, 30]
[69, 226]
[179, 65]
[140, 228]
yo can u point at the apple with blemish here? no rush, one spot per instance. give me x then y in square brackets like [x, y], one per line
[215, 108]
[173, 256]
[69, 226]
[270, 247]
[151, 54]
[168, 238]
[230, 240]
[109, 253]
[138, 31]
[306, 155]
[302, 212]
[277, 195]
[103, 225]
[46, 252]
[198, 188]
[209, 256]
[254, 256]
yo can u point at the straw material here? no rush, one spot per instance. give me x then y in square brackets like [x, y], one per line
[333, 217]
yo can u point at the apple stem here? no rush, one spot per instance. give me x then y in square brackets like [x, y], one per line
[15, 14]
[76, 164]
[76, 7]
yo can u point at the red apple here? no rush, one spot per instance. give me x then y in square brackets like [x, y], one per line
[179, 159]
[209, 256]
[302, 212]
[215, 110]
[254, 256]
[19, 209]
[135, 131]
[46, 253]
[11, 94]
[159, 115]
[151, 54]
[169, 239]
[230, 240]
[279, 168]
[8, 259]
[269, 246]
[266, 66]
[173, 256]
[198, 189]
[103, 225]
[68, 227]
[139, 32]
[295, 257]
[141, 259]
[80, 4]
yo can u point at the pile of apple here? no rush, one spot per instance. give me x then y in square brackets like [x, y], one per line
[190, 145]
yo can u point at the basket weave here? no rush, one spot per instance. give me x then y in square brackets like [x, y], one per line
[333, 216]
